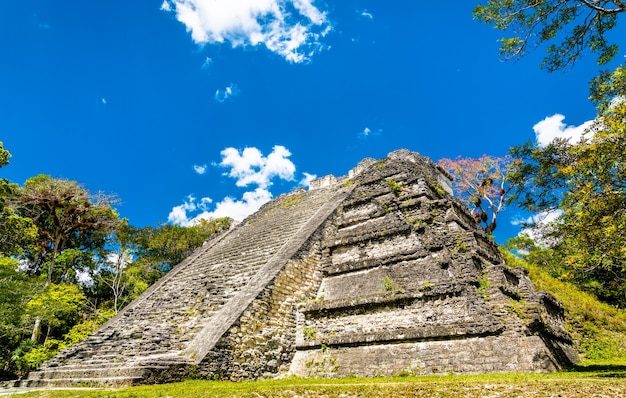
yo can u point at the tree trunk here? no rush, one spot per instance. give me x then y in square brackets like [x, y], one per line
[36, 329]
[53, 257]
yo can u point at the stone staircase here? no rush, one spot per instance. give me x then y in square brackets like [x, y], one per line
[153, 338]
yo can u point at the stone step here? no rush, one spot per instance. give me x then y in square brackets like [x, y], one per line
[425, 333]
[80, 382]
[371, 302]
[94, 370]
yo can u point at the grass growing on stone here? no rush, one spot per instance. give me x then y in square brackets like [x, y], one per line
[591, 381]
[598, 329]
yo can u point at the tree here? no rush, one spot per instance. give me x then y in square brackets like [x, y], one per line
[59, 308]
[70, 223]
[482, 184]
[578, 25]
[586, 183]
[16, 233]
[16, 289]
[66, 217]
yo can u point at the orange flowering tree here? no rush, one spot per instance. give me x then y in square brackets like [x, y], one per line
[482, 184]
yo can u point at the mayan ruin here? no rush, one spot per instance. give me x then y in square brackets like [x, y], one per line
[380, 272]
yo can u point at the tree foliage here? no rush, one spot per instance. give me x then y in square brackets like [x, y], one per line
[16, 233]
[66, 217]
[482, 184]
[58, 306]
[572, 26]
[586, 183]
[16, 290]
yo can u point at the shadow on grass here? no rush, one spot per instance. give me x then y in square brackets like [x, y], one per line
[601, 370]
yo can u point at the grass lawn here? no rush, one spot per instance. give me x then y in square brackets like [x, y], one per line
[584, 381]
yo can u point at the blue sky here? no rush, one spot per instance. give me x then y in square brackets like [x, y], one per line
[185, 108]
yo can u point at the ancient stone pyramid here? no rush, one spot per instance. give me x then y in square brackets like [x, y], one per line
[381, 272]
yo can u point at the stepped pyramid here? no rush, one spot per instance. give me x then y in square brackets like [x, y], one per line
[381, 272]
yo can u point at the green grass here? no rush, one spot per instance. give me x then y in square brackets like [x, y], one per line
[608, 381]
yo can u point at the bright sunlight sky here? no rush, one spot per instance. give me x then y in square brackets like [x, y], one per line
[187, 108]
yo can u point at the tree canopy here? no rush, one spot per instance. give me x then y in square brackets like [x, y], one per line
[571, 26]
[16, 233]
[66, 217]
[586, 183]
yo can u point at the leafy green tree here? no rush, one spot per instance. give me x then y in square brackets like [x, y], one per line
[16, 233]
[547, 257]
[66, 217]
[59, 307]
[575, 25]
[72, 225]
[16, 289]
[586, 183]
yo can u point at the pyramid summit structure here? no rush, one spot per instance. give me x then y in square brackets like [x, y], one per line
[380, 272]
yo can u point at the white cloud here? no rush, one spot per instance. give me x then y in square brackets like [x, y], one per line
[553, 127]
[367, 132]
[247, 167]
[366, 14]
[539, 225]
[165, 6]
[178, 215]
[230, 91]
[306, 180]
[251, 167]
[290, 28]
[207, 62]
[199, 169]
[228, 207]
[104, 101]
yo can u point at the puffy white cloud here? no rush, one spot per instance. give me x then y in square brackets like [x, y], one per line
[199, 169]
[230, 91]
[247, 167]
[228, 207]
[178, 215]
[306, 180]
[290, 28]
[251, 167]
[553, 127]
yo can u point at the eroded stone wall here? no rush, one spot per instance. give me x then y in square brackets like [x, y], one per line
[412, 285]
[262, 342]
